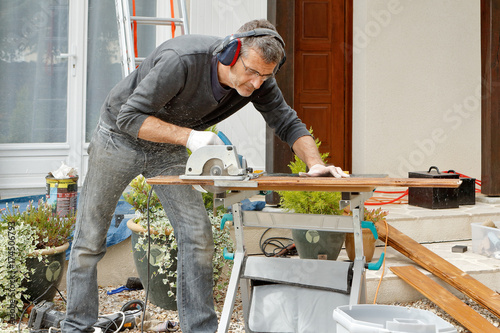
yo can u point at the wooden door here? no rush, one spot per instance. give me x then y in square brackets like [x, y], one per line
[490, 101]
[315, 31]
[323, 74]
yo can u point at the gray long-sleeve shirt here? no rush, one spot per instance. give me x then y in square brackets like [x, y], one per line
[174, 84]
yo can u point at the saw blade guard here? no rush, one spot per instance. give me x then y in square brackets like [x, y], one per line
[215, 161]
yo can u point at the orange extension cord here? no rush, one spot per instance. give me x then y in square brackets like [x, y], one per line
[376, 201]
[383, 263]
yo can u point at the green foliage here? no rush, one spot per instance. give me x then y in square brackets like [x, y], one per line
[21, 235]
[138, 196]
[161, 229]
[375, 215]
[50, 228]
[16, 244]
[305, 202]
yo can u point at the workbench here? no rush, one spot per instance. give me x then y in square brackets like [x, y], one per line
[340, 282]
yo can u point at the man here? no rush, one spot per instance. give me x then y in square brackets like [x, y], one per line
[148, 119]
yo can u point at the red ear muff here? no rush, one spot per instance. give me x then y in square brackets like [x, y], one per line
[229, 54]
[229, 50]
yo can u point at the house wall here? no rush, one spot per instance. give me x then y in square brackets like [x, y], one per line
[416, 94]
[416, 86]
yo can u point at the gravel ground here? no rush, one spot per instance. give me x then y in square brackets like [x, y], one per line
[111, 303]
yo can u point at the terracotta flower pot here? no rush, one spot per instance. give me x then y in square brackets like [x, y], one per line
[368, 245]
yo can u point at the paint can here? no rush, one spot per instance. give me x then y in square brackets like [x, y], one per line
[62, 194]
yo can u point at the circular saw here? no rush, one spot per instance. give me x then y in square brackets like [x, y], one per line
[216, 162]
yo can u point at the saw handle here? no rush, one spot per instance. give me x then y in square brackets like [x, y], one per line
[227, 142]
[224, 138]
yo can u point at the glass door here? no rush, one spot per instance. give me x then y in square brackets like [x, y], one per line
[40, 90]
[34, 71]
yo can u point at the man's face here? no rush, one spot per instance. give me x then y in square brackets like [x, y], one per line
[249, 73]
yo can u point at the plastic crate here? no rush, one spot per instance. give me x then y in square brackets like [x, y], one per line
[486, 240]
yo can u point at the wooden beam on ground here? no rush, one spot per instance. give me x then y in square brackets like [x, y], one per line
[451, 304]
[441, 268]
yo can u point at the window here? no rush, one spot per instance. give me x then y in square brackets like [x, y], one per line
[33, 89]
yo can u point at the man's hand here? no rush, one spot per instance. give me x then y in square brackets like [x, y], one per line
[198, 139]
[320, 170]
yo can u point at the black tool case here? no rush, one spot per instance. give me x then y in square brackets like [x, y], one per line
[467, 190]
[433, 197]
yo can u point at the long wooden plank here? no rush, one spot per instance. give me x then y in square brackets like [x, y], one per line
[441, 268]
[451, 304]
[279, 183]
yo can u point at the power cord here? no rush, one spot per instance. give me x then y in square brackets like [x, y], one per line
[383, 264]
[112, 322]
[280, 248]
[147, 254]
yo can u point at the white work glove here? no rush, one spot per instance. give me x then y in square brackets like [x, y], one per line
[320, 170]
[198, 139]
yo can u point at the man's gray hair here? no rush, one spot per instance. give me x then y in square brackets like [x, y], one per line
[268, 47]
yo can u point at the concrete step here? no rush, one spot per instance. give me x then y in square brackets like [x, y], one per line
[438, 230]
[393, 289]
[441, 225]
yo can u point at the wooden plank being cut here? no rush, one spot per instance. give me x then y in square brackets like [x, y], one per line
[332, 184]
[462, 313]
[441, 268]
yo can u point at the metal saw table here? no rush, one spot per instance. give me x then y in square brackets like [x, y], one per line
[345, 279]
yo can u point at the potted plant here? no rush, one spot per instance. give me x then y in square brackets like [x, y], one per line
[313, 244]
[163, 254]
[373, 215]
[32, 244]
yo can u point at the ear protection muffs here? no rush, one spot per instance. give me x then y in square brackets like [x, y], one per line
[229, 50]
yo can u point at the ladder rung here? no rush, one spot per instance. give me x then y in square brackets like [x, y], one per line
[156, 20]
[125, 38]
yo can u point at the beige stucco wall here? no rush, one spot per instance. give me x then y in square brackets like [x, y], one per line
[416, 91]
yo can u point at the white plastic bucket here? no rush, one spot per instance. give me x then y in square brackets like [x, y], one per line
[374, 318]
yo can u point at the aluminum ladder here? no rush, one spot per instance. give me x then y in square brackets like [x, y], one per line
[124, 20]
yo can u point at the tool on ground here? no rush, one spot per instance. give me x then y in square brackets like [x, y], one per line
[44, 317]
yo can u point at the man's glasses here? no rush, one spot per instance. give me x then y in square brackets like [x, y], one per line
[253, 72]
